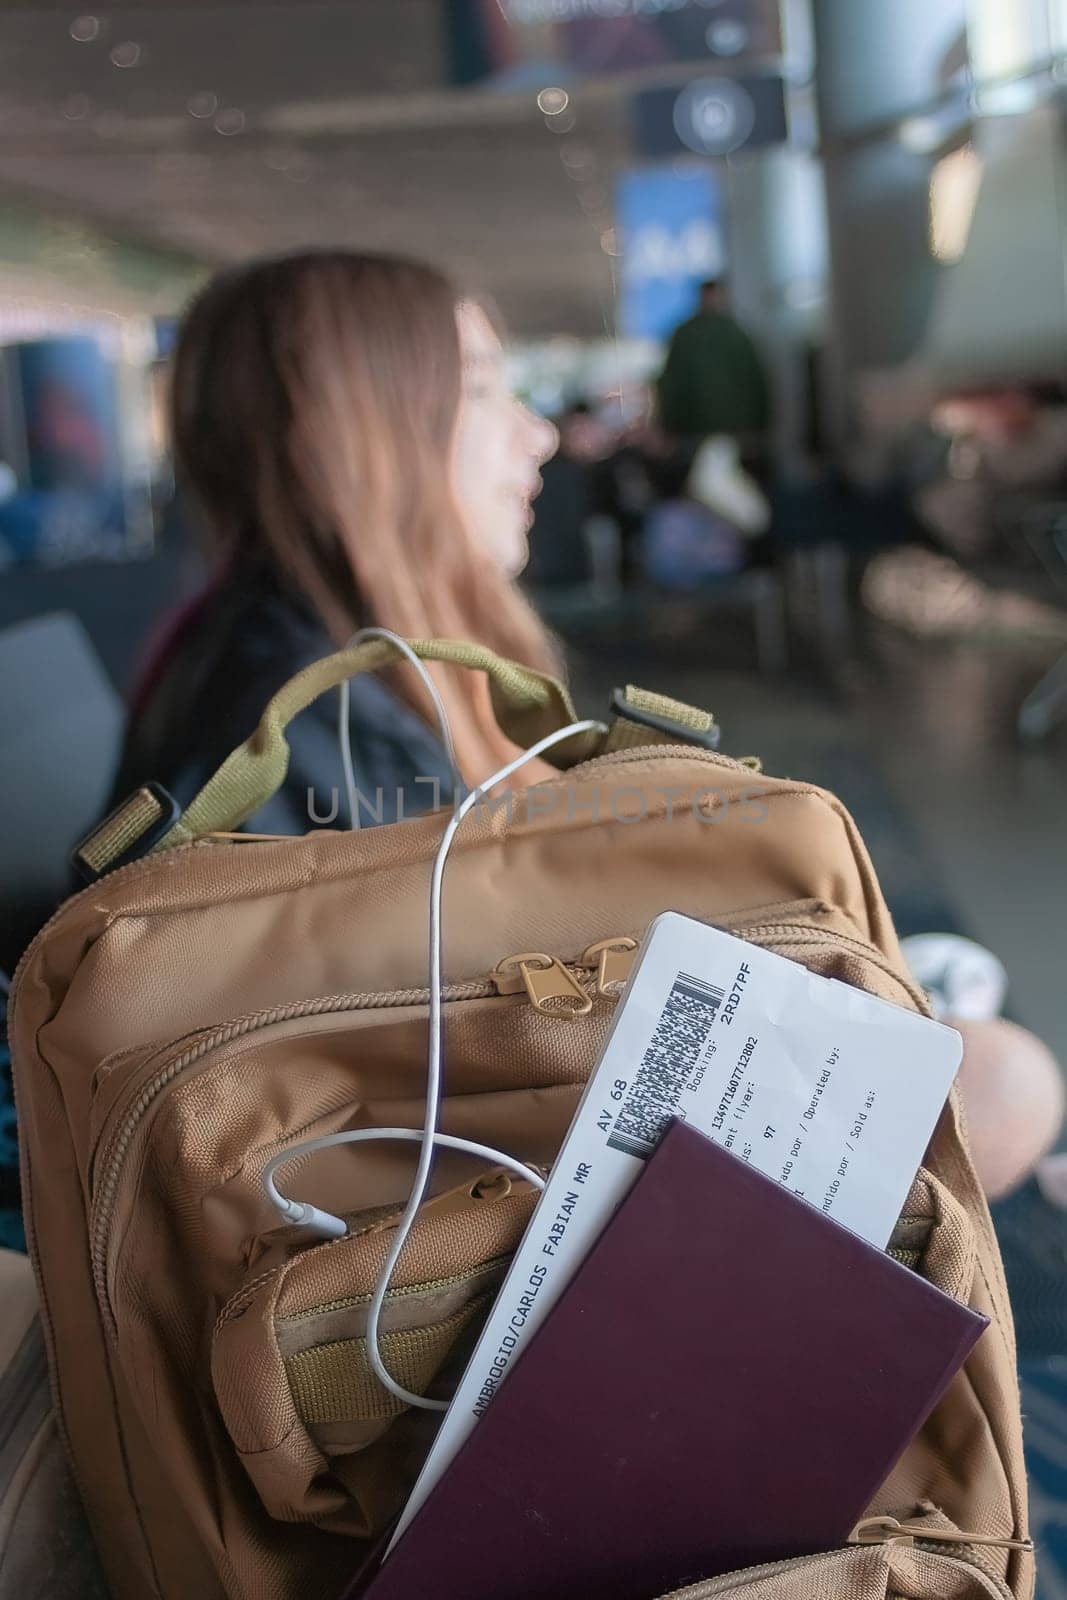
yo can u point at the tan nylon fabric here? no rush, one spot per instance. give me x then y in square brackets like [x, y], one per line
[886, 1572]
[190, 1015]
[335, 1383]
[291, 1310]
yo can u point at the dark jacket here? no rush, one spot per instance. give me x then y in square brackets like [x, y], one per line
[242, 643]
[713, 381]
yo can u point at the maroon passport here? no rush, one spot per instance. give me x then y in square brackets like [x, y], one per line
[727, 1380]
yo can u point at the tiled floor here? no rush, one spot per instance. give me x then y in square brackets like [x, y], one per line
[967, 828]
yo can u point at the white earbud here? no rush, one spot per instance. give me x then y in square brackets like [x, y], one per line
[324, 1223]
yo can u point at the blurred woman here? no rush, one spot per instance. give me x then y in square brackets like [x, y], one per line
[345, 424]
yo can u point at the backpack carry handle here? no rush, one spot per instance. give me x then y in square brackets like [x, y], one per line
[527, 704]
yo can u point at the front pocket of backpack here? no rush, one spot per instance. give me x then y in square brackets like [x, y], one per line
[323, 1440]
[319, 1435]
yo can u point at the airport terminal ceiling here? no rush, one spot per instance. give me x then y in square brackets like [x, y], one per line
[228, 130]
[219, 131]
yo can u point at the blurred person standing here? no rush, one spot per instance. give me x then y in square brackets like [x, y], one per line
[714, 381]
[345, 426]
[559, 556]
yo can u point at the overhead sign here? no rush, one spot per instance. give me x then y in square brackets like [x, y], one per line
[672, 239]
[711, 116]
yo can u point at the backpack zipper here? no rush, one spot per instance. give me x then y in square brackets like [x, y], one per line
[239, 1301]
[551, 986]
[706, 1587]
[887, 1530]
[554, 987]
[743, 1576]
[110, 1161]
[555, 979]
[146, 864]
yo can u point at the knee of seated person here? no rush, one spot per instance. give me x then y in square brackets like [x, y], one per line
[1013, 1097]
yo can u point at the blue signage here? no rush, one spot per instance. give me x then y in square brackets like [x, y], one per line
[672, 238]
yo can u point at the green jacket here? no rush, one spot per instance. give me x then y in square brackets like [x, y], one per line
[713, 380]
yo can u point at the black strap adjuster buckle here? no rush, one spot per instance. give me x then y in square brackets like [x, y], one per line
[707, 739]
[134, 828]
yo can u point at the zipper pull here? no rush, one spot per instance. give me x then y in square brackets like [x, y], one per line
[547, 983]
[884, 1530]
[613, 960]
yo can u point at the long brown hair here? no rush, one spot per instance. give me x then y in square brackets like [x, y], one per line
[315, 400]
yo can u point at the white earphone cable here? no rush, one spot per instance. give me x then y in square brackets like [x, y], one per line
[303, 1215]
[344, 729]
[433, 1062]
[324, 1223]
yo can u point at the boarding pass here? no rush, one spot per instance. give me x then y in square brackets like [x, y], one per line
[827, 1089]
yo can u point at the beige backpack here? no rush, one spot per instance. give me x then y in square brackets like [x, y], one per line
[203, 1006]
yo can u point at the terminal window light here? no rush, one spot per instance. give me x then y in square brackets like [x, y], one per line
[954, 185]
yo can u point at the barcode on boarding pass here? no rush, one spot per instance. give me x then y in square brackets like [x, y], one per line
[680, 1036]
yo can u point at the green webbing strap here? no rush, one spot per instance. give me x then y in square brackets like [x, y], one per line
[527, 706]
[118, 833]
[627, 734]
